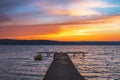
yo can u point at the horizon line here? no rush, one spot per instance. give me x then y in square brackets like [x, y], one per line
[55, 40]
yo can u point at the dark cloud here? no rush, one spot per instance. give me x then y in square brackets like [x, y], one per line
[4, 18]
[9, 4]
[59, 1]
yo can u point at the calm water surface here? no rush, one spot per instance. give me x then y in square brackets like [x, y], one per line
[100, 63]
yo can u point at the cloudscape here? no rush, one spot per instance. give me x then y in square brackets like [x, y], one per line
[61, 20]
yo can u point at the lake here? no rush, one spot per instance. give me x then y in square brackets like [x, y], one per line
[100, 63]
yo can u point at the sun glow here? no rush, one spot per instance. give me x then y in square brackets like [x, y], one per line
[104, 28]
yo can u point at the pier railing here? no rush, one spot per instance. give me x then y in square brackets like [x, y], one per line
[48, 54]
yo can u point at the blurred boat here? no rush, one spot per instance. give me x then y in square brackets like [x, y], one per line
[38, 57]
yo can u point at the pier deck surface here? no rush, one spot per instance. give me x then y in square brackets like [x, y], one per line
[62, 68]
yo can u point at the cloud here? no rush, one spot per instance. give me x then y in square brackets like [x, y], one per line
[66, 9]
[4, 18]
[92, 4]
[78, 8]
[15, 31]
[101, 28]
[69, 19]
[72, 12]
[6, 5]
[46, 11]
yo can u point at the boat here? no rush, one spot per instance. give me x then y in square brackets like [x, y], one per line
[38, 57]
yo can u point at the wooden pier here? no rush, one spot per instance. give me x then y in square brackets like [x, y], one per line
[62, 68]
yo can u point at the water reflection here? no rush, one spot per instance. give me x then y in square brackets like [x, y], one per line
[17, 63]
[101, 63]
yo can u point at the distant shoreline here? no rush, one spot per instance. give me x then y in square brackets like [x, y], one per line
[50, 42]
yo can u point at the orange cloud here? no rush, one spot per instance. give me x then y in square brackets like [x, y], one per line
[15, 31]
[100, 29]
[97, 29]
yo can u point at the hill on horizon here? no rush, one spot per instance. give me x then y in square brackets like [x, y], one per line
[50, 42]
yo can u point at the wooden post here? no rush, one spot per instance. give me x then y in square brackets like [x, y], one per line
[47, 54]
[54, 55]
[83, 54]
[74, 54]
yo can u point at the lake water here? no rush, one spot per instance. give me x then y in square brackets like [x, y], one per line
[100, 63]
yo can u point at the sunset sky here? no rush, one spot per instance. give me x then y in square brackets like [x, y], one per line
[61, 20]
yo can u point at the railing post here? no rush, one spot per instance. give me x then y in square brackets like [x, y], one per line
[83, 54]
[74, 54]
[47, 54]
